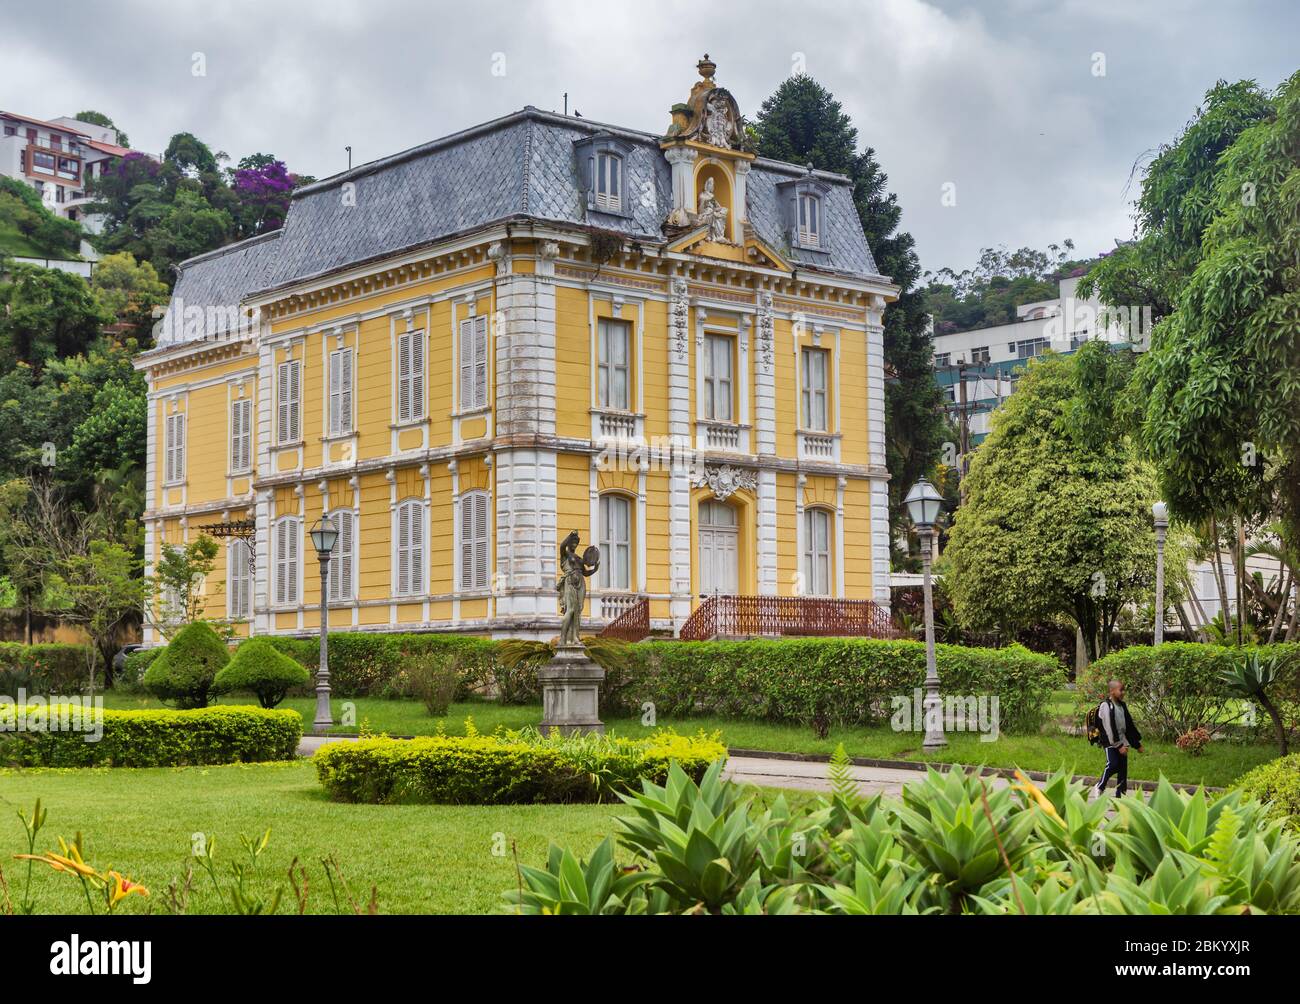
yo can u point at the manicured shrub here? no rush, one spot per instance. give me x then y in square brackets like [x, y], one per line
[1178, 686]
[258, 667]
[846, 681]
[1277, 782]
[42, 669]
[156, 738]
[509, 768]
[185, 672]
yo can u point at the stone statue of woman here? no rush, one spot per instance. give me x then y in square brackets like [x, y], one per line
[712, 213]
[572, 586]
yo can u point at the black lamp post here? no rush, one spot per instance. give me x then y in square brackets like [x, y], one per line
[323, 538]
[924, 503]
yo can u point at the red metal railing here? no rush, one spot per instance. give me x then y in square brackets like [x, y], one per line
[779, 616]
[632, 624]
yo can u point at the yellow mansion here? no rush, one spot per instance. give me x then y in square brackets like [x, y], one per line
[541, 324]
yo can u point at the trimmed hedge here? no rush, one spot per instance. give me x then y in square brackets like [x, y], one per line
[158, 739]
[845, 681]
[1176, 687]
[1277, 782]
[505, 769]
[372, 665]
[42, 669]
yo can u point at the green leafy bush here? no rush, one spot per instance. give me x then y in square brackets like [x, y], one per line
[847, 681]
[186, 670]
[260, 668]
[435, 677]
[42, 669]
[1277, 782]
[1180, 686]
[131, 679]
[157, 738]
[508, 768]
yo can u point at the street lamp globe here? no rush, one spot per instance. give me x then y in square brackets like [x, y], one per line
[1160, 514]
[324, 536]
[923, 504]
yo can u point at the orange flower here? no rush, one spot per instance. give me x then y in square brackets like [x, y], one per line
[124, 887]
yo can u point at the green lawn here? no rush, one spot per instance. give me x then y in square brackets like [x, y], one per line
[1219, 765]
[422, 858]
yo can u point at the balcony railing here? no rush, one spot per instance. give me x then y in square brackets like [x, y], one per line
[785, 616]
[633, 623]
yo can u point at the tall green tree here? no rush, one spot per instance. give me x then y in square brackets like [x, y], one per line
[1057, 519]
[803, 123]
[1220, 387]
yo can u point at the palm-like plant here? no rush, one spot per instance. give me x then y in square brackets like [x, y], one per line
[1250, 676]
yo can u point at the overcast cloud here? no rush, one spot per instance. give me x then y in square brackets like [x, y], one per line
[998, 99]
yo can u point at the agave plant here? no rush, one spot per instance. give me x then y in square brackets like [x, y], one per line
[962, 832]
[1250, 676]
[1017, 895]
[871, 894]
[702, 838]
[568, 885]
[1066, 820]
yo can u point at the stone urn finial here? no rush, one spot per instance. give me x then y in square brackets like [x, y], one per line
[707, 67]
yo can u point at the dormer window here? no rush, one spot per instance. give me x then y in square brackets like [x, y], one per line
[609, 182]
[603, 161]
[810, 220]
[804, 204]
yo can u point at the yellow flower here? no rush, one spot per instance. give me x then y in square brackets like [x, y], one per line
[71, 865]
[124, 887]
[1031, 789]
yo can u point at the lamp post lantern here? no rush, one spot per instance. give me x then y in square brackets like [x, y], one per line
[924, 504]
[1160, 516]
[323, 538]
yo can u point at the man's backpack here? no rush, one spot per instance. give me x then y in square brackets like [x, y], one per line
[1092, 727]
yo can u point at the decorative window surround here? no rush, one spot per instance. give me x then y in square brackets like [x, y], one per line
[612, 152]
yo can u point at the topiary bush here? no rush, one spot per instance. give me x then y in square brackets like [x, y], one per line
[1276, 782]
[155, 738]
[509, 768]
[260, 668]
[187, 668]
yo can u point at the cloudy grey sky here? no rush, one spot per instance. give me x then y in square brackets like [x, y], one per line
[1003, 100]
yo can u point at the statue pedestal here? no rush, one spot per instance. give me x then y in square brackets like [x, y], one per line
[571, 692]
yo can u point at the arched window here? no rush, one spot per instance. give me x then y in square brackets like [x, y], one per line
[342, 560]
[288, 531]
[239, 581]
[615, 542]
[817, 552]
[719, 540]
[410, 548]
[474, 540]
[609, 181]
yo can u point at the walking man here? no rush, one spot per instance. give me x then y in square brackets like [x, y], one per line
[1120, 733]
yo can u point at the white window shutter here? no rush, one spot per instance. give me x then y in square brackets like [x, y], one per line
[180, 446]
[293, 534]
[336, 391]
[346, 538]
[282, 403]
[345, 393]
[403, 378]
[403, 549]
[467, 363]
[480, 541]
[417, 374]
[294, 370]
[480, 362]
[281, 559]
[467, 541]
[417, 548]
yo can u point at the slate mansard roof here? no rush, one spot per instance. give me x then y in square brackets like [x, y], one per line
[520, 167]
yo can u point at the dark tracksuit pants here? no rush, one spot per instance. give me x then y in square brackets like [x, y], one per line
[1116, 767]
